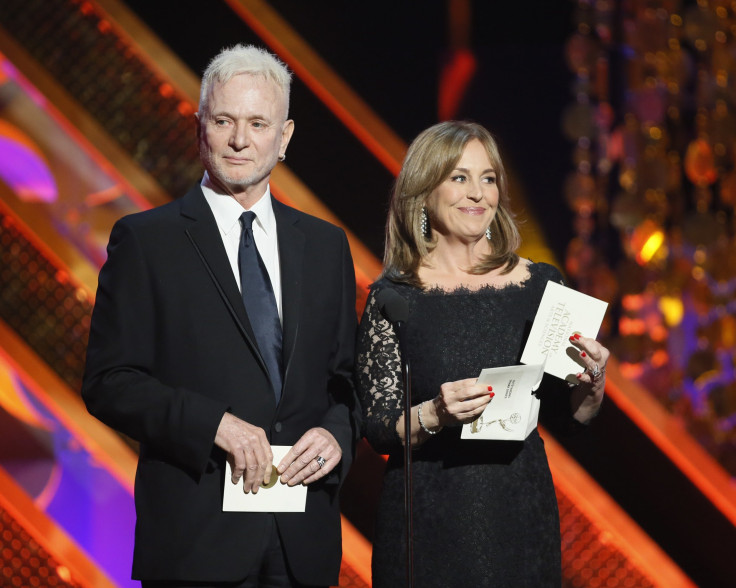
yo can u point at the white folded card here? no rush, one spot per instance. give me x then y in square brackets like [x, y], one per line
[513, 411]
[562, 312]
[277, 497]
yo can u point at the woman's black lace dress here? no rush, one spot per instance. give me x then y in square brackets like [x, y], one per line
[484, 512]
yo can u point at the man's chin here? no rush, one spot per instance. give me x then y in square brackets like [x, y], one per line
[233, 184]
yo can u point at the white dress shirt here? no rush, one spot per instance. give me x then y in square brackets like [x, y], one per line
[227, 213]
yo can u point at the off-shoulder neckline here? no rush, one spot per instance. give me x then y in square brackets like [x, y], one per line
[533, 269]
[463, 290]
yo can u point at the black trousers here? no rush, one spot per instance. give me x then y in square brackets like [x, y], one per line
[270, 571]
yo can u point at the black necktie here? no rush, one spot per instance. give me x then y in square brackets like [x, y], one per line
[260, 302]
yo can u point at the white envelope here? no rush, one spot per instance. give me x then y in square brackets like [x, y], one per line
[277, 498]
[514, 410]
[562, 312]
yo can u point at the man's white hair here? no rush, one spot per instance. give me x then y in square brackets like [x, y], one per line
[245, 59]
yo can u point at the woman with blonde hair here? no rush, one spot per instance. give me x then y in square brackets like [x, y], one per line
[484, 512]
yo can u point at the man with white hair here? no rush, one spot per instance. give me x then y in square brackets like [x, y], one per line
[224, 324]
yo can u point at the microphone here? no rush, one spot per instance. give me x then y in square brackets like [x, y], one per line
[392, 305]
[395, 309]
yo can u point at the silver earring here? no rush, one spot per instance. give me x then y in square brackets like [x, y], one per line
[488, 233]
[424, 222]
[282, 157]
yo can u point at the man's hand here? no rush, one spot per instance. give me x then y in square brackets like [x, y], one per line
[301, 463]
[248, 452]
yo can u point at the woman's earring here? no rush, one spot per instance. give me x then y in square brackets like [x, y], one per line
[424, 222]
[488, 233]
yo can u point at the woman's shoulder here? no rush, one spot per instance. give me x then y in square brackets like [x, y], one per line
[381, 283]
[385, 282]
[377, 295]
[543, 271]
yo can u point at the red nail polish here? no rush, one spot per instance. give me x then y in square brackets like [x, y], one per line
[583, 354]
[490, 388]
[577, 336]
[491, 394]
[578, 376]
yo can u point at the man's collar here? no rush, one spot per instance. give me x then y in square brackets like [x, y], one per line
[227, 210]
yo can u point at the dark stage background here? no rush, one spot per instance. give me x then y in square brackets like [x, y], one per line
[392, 55]
[616, 124]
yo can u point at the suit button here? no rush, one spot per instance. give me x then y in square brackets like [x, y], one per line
[277, 427]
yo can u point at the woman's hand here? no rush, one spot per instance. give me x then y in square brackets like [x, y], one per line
[587, 397]
[459, 402]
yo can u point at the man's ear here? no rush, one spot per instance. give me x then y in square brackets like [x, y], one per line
[286, 132]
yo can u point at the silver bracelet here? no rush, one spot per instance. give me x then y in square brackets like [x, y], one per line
[421, 422]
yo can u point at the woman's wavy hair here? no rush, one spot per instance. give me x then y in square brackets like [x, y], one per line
[430, 160]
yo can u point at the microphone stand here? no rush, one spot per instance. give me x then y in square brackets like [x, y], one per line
[406, 376]
[395, 310]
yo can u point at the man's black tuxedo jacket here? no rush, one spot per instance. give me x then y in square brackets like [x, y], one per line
[171, 350]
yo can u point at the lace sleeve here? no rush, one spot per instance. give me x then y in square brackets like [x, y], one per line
[378, 374]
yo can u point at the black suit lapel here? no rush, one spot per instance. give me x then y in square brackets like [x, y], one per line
[291, 258]
[206, 239]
